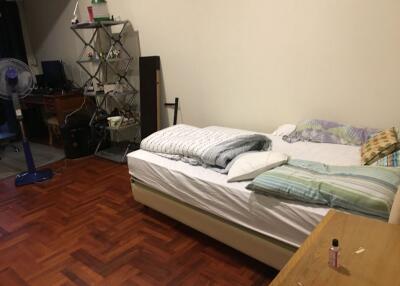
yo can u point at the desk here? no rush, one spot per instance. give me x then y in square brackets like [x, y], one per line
[57, 105]
[378, 265]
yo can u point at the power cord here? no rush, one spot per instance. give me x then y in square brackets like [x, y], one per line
[75, 111]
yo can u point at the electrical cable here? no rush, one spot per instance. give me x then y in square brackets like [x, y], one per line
[75, 111]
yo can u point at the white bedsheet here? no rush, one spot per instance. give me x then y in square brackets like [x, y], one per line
[287, 221]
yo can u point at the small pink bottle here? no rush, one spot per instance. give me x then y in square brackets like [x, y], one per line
[334, 254]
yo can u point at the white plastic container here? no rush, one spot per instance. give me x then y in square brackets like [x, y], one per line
[114, 121]
[124, 133]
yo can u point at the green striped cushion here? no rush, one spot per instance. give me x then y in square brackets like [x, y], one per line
[364, 189]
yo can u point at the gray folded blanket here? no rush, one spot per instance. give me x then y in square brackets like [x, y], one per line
[212, 147]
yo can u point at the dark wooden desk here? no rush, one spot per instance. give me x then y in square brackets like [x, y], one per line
[57, 105]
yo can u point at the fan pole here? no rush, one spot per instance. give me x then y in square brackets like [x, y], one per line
[27, 148]
[32, 175]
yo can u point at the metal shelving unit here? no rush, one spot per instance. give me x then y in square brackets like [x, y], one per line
[100, 66]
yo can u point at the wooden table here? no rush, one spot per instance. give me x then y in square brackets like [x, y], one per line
[58, 105]
[379, 264]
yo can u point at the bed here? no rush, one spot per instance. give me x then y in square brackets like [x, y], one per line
[265, 228]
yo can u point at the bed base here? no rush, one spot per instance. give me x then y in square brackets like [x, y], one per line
[265, 249]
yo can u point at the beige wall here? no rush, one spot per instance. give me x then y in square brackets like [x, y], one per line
[258, 63]
[48, 25]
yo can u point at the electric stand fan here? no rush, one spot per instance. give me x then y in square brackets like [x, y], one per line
[16, 82]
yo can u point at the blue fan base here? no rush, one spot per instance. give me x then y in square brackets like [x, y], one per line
[26, 178]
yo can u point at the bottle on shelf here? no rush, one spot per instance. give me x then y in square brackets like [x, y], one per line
[100, 10]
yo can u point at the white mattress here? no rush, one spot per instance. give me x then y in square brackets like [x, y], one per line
[287, 221]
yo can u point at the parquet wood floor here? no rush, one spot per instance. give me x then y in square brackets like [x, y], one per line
[84, 228]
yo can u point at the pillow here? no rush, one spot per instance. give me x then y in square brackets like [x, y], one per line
[322, 131]
[379, 146]
[284, 130]
[362, 189]
[251, 164]
[391, 160]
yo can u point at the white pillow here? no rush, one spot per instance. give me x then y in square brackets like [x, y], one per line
[251, 164]
[284, 130]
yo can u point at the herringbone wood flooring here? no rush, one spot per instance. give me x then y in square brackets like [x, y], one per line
[84, 228]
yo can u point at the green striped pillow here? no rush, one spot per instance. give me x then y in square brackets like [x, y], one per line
[363, 189]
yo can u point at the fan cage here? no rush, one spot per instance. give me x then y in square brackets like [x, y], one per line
[25, 85]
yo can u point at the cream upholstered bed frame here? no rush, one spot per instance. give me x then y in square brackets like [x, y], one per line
[267, 250]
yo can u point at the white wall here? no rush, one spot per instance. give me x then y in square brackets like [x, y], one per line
[48, 23]
[255, 64]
